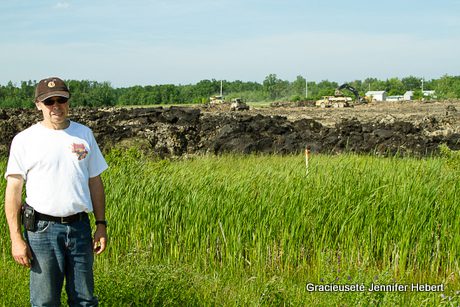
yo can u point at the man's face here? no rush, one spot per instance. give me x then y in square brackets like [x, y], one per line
[55, 109]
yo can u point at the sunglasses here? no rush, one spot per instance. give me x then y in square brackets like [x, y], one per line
[52, 100]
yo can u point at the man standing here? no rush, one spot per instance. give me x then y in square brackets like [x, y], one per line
[60, 163]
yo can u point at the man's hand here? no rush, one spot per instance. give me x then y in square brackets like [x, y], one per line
[96, 189]
[21, 253]
[100, 239]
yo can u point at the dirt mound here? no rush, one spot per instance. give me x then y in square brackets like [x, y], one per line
[178, 131]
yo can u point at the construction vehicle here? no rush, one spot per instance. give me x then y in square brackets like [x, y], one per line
[217, 99]
[358, 98]
[334, 102]
[339, 100]
[238, 105]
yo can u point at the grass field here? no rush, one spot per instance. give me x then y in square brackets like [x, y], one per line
[255, 230]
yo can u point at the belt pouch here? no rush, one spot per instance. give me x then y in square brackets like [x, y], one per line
[28, 217]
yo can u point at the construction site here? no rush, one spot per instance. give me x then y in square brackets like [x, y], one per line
[405, 128]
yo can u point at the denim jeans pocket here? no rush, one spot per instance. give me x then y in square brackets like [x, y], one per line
[42, 226]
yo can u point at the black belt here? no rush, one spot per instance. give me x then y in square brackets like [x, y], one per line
[62, 220]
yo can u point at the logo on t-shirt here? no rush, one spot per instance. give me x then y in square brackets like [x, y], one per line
[79, 150]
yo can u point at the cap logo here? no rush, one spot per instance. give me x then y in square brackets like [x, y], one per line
[51, 84]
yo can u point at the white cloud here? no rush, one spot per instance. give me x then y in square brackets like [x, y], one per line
[62, 5]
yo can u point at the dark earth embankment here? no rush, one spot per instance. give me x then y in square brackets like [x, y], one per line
[179, 131]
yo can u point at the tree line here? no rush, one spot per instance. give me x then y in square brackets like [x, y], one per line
[98, 94]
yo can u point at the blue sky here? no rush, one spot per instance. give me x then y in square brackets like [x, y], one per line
[182, 42]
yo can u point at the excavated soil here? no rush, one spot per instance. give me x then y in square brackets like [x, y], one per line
[408, 128]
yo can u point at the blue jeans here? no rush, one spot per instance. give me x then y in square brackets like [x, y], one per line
[61, 251]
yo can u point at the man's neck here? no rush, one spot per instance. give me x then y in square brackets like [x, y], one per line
[56, 126]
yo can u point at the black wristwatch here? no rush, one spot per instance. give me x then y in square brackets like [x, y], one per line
[102, 222]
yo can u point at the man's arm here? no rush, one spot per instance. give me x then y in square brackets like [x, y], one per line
[96, 189]
[13, 197]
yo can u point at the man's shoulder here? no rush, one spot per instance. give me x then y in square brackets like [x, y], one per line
[28, 131]
[79, 126]
[81, 130]
[24, 137]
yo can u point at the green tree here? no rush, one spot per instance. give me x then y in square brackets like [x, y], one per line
[326, 88]
[206, 88]
[92, 93]
[373, 84]
[448, 87]
[275, 88]
[411, 83]
[394, 86]
[298, 87]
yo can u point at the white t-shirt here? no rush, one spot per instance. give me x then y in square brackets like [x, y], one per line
[56, 166]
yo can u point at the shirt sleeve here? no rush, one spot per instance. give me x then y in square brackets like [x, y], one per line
[16, 161]
[97, 163]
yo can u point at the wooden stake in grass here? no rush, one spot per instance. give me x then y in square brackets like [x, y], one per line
[307, 157]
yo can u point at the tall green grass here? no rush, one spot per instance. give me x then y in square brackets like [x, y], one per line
[352, 219]
[264, 212]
